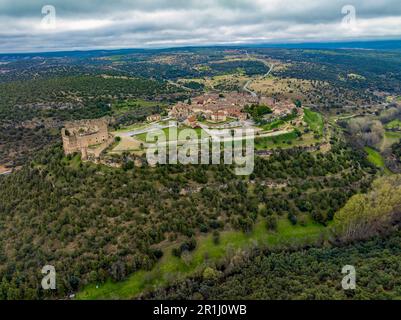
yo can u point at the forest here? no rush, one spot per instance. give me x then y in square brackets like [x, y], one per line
[305, 273]
[298, 274]
[85, 218]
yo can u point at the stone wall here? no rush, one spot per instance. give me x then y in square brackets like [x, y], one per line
[88, 137]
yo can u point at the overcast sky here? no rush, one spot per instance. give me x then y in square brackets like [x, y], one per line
[99, 24]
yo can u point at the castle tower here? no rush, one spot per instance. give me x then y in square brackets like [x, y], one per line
[78, 136]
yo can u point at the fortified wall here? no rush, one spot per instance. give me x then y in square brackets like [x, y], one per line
[88, 137]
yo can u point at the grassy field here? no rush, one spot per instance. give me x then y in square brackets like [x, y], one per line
[314, 120]
[283, 140]
[375, 157]
[274, 125]
[75, 162]
[171, 267]
[395, 124]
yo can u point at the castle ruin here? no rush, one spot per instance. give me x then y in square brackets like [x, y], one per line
[88, 137]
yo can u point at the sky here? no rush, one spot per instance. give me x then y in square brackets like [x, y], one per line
[58, 25]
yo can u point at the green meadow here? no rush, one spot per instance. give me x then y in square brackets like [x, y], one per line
[375, 157]
[206, 253]
[314, 120]
[395, 124]
[273, 125]
[283, 140]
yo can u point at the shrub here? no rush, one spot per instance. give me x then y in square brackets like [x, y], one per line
[271, 223]
[216, 237]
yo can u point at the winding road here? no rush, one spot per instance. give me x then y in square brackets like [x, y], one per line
[246, 86]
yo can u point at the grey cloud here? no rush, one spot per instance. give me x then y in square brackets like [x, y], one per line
[123, 23]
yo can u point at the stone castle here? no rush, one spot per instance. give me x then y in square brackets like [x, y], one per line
[88, 137]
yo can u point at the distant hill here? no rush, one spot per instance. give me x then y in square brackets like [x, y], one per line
[368, 45]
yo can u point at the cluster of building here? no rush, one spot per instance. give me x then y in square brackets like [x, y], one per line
[212, 107]
[88, 137]
[153, 118]
[218, 108]
[91, 137]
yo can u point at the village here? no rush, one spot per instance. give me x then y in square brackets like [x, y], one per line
[204, 113]
[217, 108]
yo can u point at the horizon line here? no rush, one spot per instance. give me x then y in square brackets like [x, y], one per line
[295, 44]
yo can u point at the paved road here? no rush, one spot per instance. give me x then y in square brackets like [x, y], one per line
[152, 128]
[246, 87]
[248, 90]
